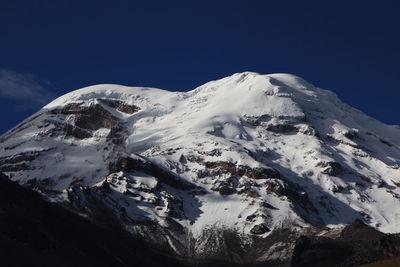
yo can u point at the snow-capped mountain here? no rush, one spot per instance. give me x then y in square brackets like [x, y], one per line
[238, 167]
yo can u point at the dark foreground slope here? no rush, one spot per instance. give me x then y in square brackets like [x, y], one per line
[356, 244]
[34, 232]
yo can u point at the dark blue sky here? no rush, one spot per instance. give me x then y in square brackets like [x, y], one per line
[48, 48]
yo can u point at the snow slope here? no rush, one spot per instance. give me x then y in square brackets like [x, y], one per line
[250, 153]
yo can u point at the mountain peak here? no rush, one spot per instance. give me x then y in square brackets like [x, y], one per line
[248, 154]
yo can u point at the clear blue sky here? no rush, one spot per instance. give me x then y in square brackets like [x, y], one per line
[48, 48]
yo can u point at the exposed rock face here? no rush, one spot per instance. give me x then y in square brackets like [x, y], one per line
[84, 119]
[120, 106]
[236, 169]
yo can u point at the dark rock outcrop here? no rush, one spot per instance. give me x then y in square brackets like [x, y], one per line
[120, 106]
[331, 168]
[281, 128]
[130, 164]
[259, 229]
[215, 168]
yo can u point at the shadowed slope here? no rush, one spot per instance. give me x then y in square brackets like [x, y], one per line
[34, 232]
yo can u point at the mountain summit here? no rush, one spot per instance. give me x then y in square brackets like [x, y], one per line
[237, 168]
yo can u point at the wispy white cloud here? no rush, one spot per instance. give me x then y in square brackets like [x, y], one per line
[24, 89]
